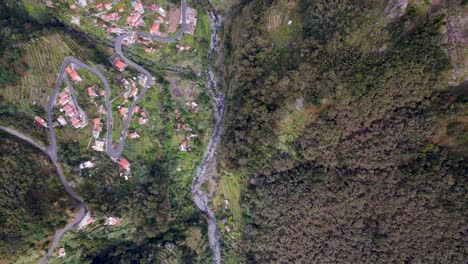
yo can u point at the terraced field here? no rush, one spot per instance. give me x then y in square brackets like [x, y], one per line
[44, 57]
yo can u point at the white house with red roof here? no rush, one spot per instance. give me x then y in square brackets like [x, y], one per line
[112, 221]
[119, 64]
[111, 17]
[123, 162]
[134, 135]
[40, 121]
[138, 6]
[91, 92]
[73, 74]
[61, 253]
[154, 30]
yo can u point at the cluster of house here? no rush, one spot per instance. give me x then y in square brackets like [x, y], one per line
[181, 48]
[68, 106]
[180, 126]
[92, 91]
[154, 29]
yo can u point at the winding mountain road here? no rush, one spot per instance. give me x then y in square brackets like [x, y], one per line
[199, 197]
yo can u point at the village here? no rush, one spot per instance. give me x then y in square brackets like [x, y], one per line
[67, 112]
[113, 18]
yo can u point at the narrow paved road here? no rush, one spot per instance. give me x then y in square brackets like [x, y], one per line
[199, 197]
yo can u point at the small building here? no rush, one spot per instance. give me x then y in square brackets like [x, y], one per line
[96, 127]
[119, 64]
[64, 100]
[154, 30]
[136, 109]
[62, 121]
[40, 121]
[136, 4]
[134, 20]
[183, 146]
[134, 92]
[227, 204]
[76, 122]
[112, 221]
[123, 111]
[91, 92]
[61, 253]
[123, 162]
[121, 10]
[69, 110]
[82, 3]
[99, 6]
[162, 12]
[50, 4]
[142, 120]
[73, 74]
[111, 17]
[134, 135]
[108, 6]
[72, 6]
[87, 165]
[99, 145]
[101, 109]
[149, 50]
[75, 20]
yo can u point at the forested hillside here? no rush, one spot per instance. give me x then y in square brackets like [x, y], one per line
[348, 121]
[33, 203]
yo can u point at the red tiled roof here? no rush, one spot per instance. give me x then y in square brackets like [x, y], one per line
[119, 64]
[73, 74]
[134, 91]
[124, 163]
[40, 121]
[123, 111]
[63, 94]
[97, 123]
[76, 122]
[91, 92]
[69, 109]
[134, 135]
[154, 28]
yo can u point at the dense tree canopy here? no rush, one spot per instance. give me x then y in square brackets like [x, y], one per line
[346, 131]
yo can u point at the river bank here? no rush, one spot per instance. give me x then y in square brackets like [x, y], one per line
[207, 169]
